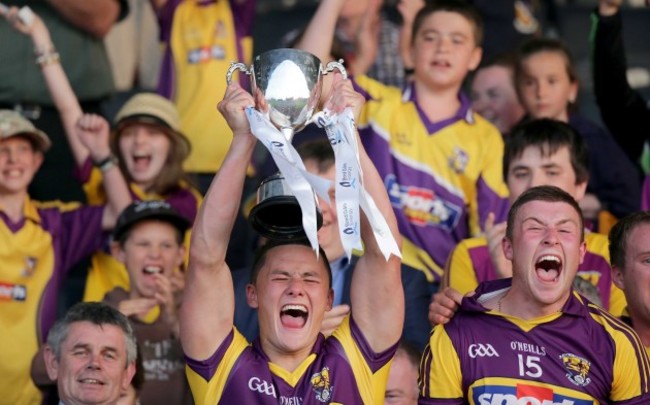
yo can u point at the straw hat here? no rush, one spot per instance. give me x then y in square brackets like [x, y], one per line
[14, 124]
[150, 108]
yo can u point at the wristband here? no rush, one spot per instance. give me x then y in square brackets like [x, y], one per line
[47, 57]
[105, 164]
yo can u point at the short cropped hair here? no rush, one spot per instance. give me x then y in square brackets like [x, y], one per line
[543, 193]
[466, 10]
[96, 313]
[620, 234]
[319, 150]
[260, 256]
[549, 136]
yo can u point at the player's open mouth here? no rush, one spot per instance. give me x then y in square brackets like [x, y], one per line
[150, 270]
[294, 316]
[548, 268]
[441, 63]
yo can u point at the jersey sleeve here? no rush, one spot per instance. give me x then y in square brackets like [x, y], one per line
[440, 379]
[370, 369]
[631, 369]
[207, 378]
[460, 274]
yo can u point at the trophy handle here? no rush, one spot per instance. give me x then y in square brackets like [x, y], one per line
[236, 66]
[336, 65]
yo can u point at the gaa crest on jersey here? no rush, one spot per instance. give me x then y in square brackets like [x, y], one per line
[577, 369]
[458, 160]
[320, 383]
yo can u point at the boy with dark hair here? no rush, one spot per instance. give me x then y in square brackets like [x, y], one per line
[440, 162]
[629, 248]
[553, 345]
[540, 152]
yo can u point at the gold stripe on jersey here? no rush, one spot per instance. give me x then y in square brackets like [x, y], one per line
[631, 364]
[209, 392]
[440, 376]
[371, 386]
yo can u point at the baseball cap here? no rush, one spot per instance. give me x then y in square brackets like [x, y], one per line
[148, 210]
[150, 108]
[14, 124]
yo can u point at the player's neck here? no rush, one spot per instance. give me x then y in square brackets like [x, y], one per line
[287, 361]
[438, 104]
[13, 204]
[515, 302]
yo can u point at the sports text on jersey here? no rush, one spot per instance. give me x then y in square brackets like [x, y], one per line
[422, 206]
[522, 394]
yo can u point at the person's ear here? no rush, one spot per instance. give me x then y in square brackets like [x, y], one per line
[475, 58]
[251, 296]
[617, 277]
[51, 363]
[128, 375]
[117, 252]
[506, 244]
[581, 190]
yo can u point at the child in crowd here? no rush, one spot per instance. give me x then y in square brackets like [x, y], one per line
[148, 240]
[40, 243]
[547, 85]
[538, 152]
[146, 144]
[440, 162]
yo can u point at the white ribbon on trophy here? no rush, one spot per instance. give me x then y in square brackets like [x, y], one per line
[349, 190]
[300, 181]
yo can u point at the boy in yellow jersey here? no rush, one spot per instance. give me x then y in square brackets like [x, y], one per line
[40, 243]
[440, 162]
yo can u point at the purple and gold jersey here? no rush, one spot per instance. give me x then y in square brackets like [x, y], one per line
[442, 178]
[470, 264]
[35, 254]
[106, 273]
[202, 38]
[580, 356]
[341, 369]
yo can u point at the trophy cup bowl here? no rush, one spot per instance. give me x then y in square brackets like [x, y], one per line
[286, 85]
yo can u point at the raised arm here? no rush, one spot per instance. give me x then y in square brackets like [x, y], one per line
[207, 312]
[57, 82]
[94, 17]
[623, 110]
[408, 9]
[376, 293]
[319, 36]
[93, 132]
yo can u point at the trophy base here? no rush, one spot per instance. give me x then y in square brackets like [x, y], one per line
[280, 217]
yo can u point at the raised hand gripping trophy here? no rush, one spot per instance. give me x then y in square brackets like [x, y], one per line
[286, 86]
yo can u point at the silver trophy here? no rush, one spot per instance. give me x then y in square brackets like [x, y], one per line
[286, 85]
